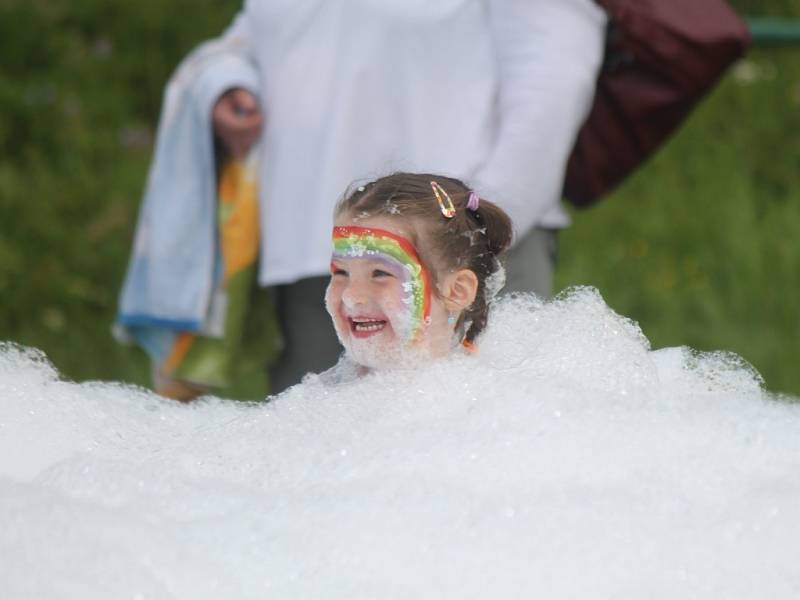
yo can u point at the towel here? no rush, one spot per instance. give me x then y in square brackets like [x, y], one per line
[207, 359]
[174, 268]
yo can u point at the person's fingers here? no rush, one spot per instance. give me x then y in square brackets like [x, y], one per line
[240, 144]
[226, 112]
[244, 102]
[237, 121]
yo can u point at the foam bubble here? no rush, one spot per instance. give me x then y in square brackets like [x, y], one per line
[566, 459]
[495, 282]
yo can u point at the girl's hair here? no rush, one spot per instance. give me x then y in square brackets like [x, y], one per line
[469, 240]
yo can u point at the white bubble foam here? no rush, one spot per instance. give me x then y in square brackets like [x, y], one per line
[495, 282]
[564, 460]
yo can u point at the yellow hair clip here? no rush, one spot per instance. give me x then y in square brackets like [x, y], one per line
[443, 198]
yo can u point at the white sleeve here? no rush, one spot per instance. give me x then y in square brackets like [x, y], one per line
[548, 56]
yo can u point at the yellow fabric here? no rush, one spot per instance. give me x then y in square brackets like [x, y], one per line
[238, 216]
[204, 360]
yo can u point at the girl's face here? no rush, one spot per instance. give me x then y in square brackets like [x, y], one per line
[380, 296]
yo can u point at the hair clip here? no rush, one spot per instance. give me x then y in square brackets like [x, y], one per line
[448, 210]
[473, 201]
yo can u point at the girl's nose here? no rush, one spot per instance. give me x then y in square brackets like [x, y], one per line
[355, 294]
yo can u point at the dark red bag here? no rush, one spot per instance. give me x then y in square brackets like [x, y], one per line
[662, 56]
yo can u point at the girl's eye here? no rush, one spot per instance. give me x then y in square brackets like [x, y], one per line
[338, 271]
[381, 273]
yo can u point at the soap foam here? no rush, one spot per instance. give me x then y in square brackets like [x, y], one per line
[564, 460]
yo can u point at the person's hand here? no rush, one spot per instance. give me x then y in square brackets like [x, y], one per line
[237, 121]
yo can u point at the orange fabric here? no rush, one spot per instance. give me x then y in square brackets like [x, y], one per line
[470, 346]
[195, 363]
[239, 231]
[183, 341]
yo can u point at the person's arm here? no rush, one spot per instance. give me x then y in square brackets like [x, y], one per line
[548, 53]
[237, 118]
[221, 76]
[237, 121]
[171, 273]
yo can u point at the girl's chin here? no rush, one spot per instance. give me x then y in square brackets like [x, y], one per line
[377, 353]
[374, 351]
[382, 349]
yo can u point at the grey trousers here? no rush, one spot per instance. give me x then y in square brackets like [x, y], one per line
[531, 263]
[310, 342]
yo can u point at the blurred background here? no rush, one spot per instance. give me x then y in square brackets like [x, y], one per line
[700, 246]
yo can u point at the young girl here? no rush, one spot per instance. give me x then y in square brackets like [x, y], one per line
[414, 267]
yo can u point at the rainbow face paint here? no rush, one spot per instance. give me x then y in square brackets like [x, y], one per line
[401, 259]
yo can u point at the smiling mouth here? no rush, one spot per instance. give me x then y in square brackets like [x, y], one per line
[365, 326]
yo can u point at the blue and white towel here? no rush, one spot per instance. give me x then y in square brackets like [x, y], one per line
[173, 268]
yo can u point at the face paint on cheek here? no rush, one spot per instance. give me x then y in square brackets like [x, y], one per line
[401, 258]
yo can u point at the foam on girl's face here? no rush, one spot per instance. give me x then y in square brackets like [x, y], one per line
[388, 252]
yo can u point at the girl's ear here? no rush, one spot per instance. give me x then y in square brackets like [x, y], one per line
[460, 290]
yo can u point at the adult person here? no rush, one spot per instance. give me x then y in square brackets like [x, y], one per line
[490, 91]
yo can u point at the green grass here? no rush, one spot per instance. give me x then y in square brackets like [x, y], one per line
[699, 246]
